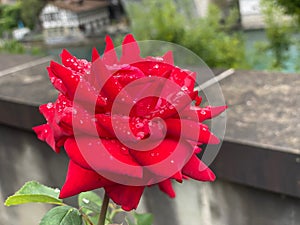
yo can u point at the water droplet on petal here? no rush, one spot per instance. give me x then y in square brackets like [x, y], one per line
[184, 88]
[49, 105]
[139, 125]
[140, 134]
[86, 201]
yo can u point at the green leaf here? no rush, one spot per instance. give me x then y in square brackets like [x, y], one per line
[33, 191]
[90, 204]
[62, 215]
[90, 200]
[143, 219]
[128, 221]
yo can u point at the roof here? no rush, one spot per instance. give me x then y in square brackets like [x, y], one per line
[86, 5]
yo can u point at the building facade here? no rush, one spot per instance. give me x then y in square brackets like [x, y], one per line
[251, 15]
[67, 21]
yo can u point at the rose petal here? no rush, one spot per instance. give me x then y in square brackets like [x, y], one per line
[164, 160]
[45, 133]
[168, 58]
[196, 169]
[206, 113]
[177, 127]
[126, 196]
[56, 82]
[166, 187]
[70, 61]
[125, 128]
[95, 55]
[110, 55]
[130, 50]
[103, 156]
[79, 180]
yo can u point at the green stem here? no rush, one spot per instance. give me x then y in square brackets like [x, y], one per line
[103, 211]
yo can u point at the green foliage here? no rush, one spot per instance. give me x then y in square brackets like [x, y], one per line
[156, 20]
[12, 46]
[209, 40]
[207, 37]
[143, 219]
[279, 31]
[89, 207]
[36, 51]
[62, 215]
[34, 192]
[291, 7]
[30, 11]
[9, 17]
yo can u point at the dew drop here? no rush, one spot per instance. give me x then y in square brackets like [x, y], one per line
[184, 88]
[172, 161]
[86, 201]
[179, 94]
[159, 58]
[49, 105]
[56, 190]
[140, 134]
[80, 121]
[139, 125]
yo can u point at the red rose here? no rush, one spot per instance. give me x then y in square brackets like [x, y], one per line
[126, 124]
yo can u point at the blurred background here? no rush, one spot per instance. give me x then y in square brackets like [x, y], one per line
[259, 162]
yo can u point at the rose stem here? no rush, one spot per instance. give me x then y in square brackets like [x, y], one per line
[103, 211]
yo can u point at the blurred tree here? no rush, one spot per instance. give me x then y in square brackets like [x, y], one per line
[207, 37]
[279, 32]
[9, 17]
[30, 11]
[291, 7]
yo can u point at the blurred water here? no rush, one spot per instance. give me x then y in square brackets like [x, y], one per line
[263, 60]
[83, 51]
[258, 60]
